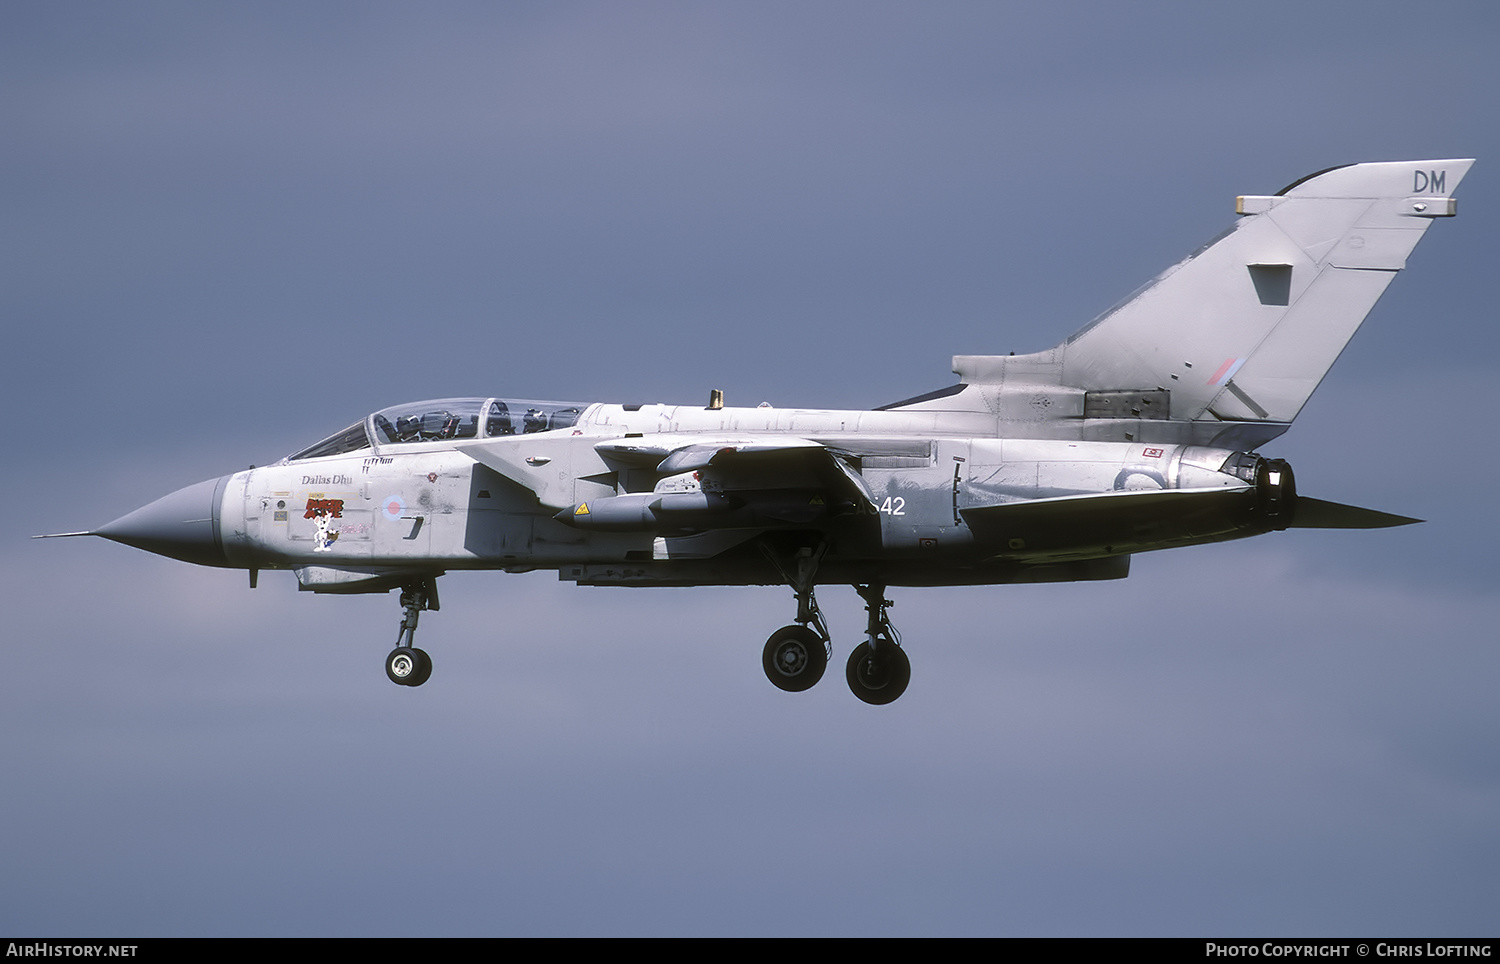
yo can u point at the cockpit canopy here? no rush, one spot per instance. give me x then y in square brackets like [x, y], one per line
[447, 418]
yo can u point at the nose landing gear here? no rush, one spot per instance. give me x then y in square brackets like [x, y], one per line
[406, 665]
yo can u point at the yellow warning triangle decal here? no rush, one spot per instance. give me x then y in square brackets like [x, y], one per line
[816, 500]
[583, 509]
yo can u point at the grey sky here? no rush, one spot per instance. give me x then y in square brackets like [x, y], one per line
[231, 230]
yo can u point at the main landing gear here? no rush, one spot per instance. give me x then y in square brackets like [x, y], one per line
[878, 669]
[796, 656]
[406, 665]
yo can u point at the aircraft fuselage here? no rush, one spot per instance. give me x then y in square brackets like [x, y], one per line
[343, 520]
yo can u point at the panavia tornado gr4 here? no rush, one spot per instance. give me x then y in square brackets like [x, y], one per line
[1139, 432]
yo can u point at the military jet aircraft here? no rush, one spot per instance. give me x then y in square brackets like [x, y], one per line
[1137, 433]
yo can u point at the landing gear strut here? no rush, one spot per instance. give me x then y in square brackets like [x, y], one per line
[406, 665]
[796, 656]
[878, 669]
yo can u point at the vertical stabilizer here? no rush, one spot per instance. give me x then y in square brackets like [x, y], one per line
[1244, 329]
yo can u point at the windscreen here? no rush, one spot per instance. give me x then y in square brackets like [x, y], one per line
[351, 439]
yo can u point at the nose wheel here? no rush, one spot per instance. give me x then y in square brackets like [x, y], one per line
[406, 665]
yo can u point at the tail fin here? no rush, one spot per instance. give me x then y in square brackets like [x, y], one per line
[1244, 329]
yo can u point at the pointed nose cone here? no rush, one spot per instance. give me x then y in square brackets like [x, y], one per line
[183, 525]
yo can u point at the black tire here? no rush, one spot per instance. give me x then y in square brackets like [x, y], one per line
[794, 658]
[878, 682]
[424, 668]
[403, 664]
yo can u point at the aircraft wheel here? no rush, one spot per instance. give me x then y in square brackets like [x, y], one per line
[794, 658]
[405, 667]
[424, 668]
[878, 681]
